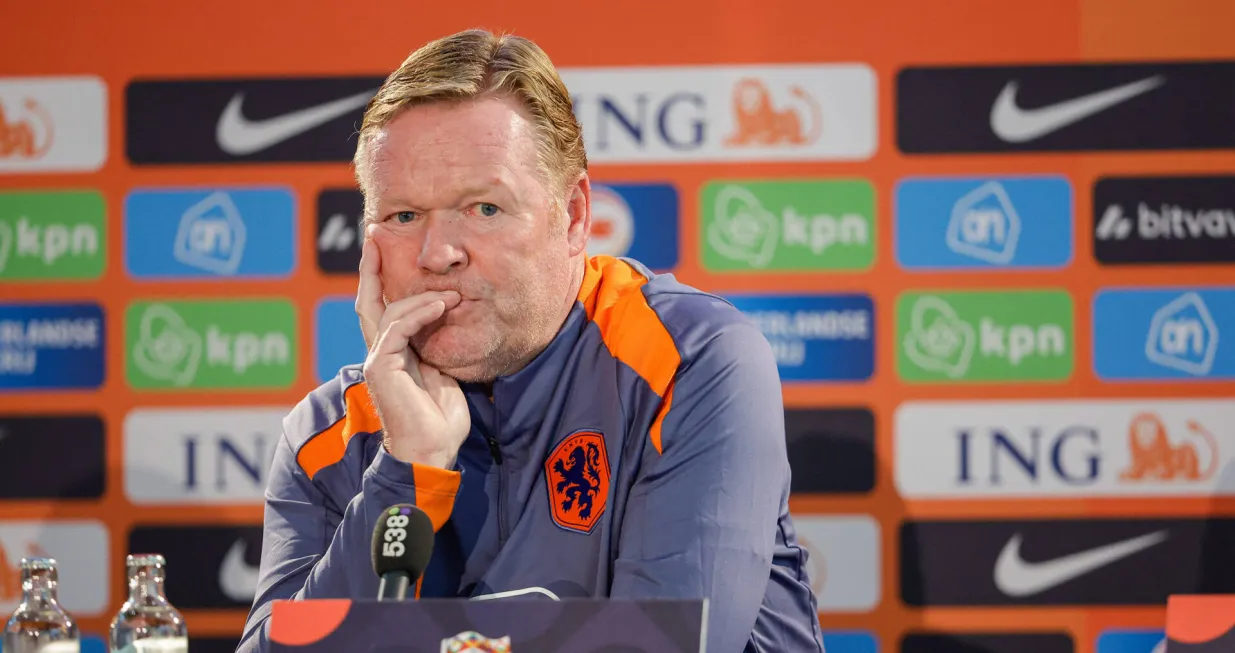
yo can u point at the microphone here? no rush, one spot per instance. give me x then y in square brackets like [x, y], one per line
[402, 545]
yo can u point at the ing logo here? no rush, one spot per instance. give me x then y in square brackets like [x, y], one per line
[1154, 458]
[577, 473]
[26, 132]
[757, 121]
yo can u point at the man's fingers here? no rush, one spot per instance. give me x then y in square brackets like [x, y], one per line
[400, 330]
[369, 304]
[398, 310]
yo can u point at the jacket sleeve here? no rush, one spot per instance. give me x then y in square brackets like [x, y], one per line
[702, 516]
[313, 548]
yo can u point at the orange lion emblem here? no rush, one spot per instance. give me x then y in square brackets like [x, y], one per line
[1153, 456]
[758, 122]
[19, 138]
[577, 473]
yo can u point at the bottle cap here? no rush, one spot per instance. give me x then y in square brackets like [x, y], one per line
[38, 564]
[145, 560]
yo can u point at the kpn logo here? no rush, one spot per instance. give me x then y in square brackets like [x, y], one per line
[247, 343]
[1023, 335]
[52, 236]
[789, 225]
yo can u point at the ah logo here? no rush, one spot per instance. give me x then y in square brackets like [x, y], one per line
[1177, 329]
[968, 223]
[474, 641]
[757, 121]
[985, 225]
[1183, 336]
[577, 474]
[1153, 457]
[210, 233]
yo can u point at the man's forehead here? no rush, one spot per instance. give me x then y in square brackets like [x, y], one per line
[400, 150]
[495, 122]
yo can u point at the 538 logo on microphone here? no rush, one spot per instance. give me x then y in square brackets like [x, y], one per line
[396, 532]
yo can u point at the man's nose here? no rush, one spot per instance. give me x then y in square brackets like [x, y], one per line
[442, 249]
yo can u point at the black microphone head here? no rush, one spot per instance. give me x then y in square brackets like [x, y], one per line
[402, 541]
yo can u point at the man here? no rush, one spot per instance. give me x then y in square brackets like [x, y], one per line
[574, 426]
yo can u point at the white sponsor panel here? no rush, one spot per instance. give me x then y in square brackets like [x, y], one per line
[52, 124]
[1073, 448]
[82, 562]
[726, 113]
[843, 561]
[200, 456]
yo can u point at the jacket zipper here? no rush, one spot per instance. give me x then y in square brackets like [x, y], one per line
[501, 489]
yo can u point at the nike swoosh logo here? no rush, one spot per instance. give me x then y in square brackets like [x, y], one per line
[1016, 125]
[237, 578]
[1015, 577]
[239, 136]
[523, 592]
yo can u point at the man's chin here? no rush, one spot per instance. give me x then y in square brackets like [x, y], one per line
[469, 362]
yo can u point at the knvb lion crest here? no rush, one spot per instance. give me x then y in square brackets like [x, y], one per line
[577, 473]
[474, 641]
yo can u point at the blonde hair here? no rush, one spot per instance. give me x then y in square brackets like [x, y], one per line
[474, 63]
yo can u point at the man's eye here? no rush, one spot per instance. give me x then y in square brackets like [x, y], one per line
[487, 210]
[404, 217]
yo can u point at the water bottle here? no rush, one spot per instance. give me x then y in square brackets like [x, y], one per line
[147, 623]
[39, 624]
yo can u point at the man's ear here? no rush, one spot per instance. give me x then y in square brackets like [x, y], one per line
[579, 213]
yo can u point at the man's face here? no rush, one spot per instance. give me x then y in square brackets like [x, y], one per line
[459, 204]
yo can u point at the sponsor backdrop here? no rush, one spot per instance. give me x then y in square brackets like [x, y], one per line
[993, 249]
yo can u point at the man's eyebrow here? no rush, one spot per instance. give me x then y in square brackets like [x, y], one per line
[490, 184]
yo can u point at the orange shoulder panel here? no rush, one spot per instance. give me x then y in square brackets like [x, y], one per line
[632, 331]
[326, 448]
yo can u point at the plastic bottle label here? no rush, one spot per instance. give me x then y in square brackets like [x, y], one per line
[61, 647]
[162, 645]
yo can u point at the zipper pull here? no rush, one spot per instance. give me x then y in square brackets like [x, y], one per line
[494, 451]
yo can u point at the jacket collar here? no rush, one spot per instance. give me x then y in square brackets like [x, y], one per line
[521, 400]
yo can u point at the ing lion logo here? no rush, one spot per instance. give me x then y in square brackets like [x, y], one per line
[20, 139]
[577, 473]
[757, 122]
[1154, 458]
